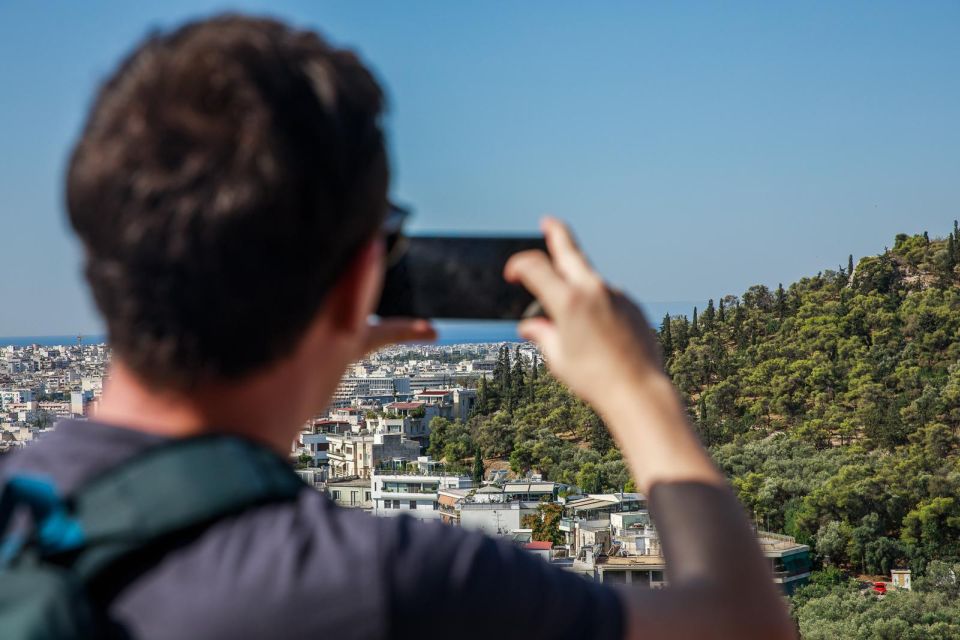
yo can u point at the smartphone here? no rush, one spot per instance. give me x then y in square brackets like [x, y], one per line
[457, 277]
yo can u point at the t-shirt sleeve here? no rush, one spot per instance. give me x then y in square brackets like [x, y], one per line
[446, 582]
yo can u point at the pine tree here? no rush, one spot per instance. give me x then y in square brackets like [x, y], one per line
[956, 243]
[694, 325]
[721, 314]
[708, 315]
[498, 369]
[951, 255]
[478, 466]
[532, 386]
[480, 408]
[506, 384]
[681, 333]
[702, 424]
[926, 237]
[518, 375]
[781, 301]
[666, 338]
[738, 324]
[850, 266]
[535, 370]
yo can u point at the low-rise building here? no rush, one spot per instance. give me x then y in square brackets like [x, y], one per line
[317, 446]
[358, 454]
[414, 494]
[495, 518]
[354, 493]
[789, 561]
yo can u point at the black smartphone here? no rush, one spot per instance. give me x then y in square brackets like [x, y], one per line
[457, 277]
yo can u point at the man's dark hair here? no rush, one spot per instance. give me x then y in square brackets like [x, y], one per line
[226, 175]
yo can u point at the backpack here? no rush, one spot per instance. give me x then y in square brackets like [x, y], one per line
[58, 575]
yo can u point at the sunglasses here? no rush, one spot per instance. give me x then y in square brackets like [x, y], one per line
[392, 231]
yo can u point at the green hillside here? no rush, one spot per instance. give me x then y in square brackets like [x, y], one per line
[834, 404]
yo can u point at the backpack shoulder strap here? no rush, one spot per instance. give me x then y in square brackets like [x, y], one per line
[171, 489]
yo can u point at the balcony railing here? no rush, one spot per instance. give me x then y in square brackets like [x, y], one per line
[417, 490]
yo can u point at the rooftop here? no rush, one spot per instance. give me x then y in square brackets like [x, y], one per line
[528, 487]
[490, 488]
[632, 561]
[588, 504]
[779, 544]
[537, 545]
[455, 493]
[348, 482]
[404, 406]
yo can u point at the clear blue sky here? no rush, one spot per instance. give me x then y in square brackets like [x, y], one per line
[697, 148]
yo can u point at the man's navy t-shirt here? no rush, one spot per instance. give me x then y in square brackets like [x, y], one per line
[311, 569]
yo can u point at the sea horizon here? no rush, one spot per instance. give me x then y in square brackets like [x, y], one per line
[449, 331]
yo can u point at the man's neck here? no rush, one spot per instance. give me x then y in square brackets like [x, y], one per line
[243, 408]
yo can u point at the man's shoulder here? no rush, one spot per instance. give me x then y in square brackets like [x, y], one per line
[275, 570]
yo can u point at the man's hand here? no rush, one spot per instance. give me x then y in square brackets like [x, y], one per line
[597, 342]
[595, 337]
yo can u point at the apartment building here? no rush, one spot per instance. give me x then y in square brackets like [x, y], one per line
[454, 404]
[358, 454]
[318, 447]
[415, 494]
[623, 547]
[789, 561]
[353, 493]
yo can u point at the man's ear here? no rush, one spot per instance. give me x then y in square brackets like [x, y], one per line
[355, 295]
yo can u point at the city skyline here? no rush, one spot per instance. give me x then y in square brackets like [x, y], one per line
[696, 150]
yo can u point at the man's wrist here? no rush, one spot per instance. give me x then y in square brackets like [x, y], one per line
[639, 384]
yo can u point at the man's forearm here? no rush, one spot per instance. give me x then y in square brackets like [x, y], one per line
[720, 584]
[651, 427]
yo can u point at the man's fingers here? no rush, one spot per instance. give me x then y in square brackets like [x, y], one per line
[534, 271]
[563, 248]
[542, 332]
[393, 330]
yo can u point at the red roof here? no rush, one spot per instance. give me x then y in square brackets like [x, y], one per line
[434, 392]
[538, 546]
[404, 405]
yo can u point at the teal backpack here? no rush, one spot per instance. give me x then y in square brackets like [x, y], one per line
[58, 575]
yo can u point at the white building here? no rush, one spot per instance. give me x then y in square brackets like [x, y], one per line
[318, 446]
[351, 454]
[413, 494]
[495, 518]
[15, 396]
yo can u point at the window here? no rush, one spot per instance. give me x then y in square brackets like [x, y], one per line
[396, 504]
[386, 504]
[336, 495]
[353, 498]
[436, 506]
[366, 496]
[656, 576]
[413, 504]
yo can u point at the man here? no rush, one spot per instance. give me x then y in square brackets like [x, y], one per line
[228, 189]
